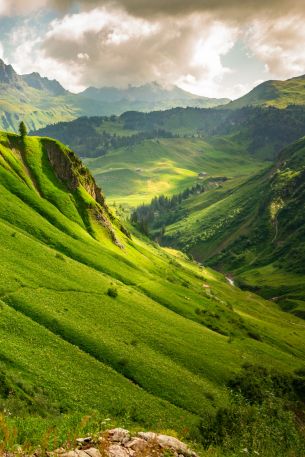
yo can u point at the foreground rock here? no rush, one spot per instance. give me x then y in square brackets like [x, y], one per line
[119, 442]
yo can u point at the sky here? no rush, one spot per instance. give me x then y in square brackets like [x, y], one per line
[215, 48]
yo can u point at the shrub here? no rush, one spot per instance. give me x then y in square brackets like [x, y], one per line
[268, 429]
[112, 292]
[59, 256]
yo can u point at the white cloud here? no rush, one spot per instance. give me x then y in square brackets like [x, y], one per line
[12, 7]
[107, 46]
[173, 42]
[29, 57]
[280, 45]
[207, 70]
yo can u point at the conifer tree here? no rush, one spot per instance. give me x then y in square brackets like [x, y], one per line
[22, 129]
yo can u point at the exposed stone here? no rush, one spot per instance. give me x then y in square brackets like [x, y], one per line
[93, 452]
[115, 450]
[82, 441]
[119, 435]
[118, 442]
[174, 444]
[147, 436]
[136, 444]
[81, 453]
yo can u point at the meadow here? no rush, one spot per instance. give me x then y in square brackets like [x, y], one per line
[132, 176]
[156, 354]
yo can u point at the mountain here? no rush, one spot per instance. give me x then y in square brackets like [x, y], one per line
[253, 231]
[149, 97]
[274, 93]
[99, 323]
[8, 74]
[39, 101]
[42, 83]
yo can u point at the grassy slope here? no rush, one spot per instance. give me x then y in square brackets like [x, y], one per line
[255, 230]
[61, 333]
[279, 94]
[136, 174]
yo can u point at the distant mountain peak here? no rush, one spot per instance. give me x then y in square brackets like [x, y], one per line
[39, 82]
[7, 73]
[151, 92]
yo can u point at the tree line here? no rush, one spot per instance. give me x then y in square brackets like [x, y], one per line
[162, 211]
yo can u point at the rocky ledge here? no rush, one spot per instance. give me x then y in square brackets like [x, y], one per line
[119, 442]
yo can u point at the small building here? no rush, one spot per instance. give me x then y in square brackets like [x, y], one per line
[202, 174]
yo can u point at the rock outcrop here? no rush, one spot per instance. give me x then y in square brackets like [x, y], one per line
[119, 442]
[70, 170]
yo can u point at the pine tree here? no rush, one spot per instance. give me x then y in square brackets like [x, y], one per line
[22, 129]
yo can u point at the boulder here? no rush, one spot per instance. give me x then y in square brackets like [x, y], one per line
[82, 441]
[148, 436]
[119, 435]
[116, 450]
[169, 442]
[93, 452]
[136, 444]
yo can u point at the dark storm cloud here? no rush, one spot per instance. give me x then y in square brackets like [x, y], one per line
[225, 9]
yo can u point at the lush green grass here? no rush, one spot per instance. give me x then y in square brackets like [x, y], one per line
[156, 356]
[135, 175]
[279, 94]
[254, 230]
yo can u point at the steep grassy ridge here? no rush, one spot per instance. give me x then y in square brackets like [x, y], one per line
[158, 354]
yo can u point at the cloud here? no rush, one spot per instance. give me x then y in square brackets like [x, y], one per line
[108, 46]
[280, 45]
[12, 7]
[118, 42]
[224, 9]
[29, 56]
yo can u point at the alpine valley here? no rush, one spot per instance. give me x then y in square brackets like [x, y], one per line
[152, 269]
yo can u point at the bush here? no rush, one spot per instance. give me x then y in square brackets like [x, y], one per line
[265, 415]
[256, 384]
[112, 292]
[267, 429]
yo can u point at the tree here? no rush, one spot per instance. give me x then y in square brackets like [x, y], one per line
[22, 129]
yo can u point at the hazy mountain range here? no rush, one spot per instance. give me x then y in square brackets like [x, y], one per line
[40, 101]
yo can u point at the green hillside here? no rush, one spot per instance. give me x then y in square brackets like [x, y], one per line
[254, 231]
[263, 132]
[134, 175]
[93, 320]
[279, 94]
[138, 156]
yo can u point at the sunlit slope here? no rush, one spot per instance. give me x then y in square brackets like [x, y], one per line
[255, 230]
[161, 351]
[279, 94]
[134, 175]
